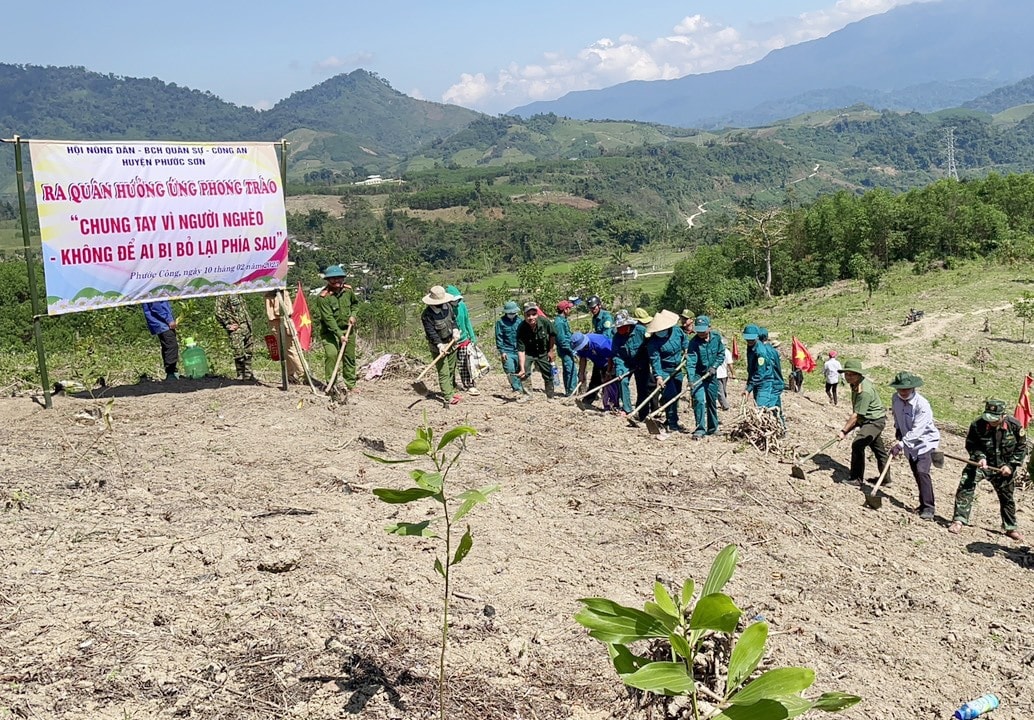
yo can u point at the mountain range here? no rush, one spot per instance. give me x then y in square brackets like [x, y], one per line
[923, 56]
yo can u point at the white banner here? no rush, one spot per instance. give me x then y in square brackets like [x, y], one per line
[129, 222]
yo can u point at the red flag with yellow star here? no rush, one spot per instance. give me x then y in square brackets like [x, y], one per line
[302, 319]
[1023, 412]
[801, 357]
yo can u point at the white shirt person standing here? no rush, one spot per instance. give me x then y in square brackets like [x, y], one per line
[831, 369]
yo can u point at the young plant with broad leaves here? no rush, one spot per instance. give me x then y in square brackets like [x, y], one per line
[431, 485]
[684, 624]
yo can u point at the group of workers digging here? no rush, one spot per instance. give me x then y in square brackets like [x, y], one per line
[668, 356]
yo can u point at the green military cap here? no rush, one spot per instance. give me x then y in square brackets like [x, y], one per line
[853, 366]
[905, 380]
[994, 410]
[642, 316]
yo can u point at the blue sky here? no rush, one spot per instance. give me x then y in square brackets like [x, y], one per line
[488, 56]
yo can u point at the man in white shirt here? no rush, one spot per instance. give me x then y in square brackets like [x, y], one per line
[723, 374]
[831, 369]
[917, 436]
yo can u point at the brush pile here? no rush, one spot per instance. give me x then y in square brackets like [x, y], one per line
[761, 428]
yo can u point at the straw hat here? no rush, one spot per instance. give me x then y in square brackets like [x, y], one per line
[437, 296]
[662, 321]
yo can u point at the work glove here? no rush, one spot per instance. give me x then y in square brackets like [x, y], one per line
[442, 347]
[455, 333]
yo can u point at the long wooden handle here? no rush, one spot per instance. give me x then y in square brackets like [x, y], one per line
[340, 355]
[691, 389]
[883, 474]
[442, 354]
[806, 458]
[970, 462]
[644, 403]
[601, 386]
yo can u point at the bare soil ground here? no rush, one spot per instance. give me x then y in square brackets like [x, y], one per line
[219, 554]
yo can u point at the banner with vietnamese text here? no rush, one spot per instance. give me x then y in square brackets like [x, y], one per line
[129, 222]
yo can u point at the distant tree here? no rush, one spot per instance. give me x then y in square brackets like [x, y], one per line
[1024, 308]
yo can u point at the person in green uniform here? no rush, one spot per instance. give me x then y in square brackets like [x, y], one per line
[631, 360]
[465, 346]
[335, 308]
[705, 353]
[439, 321]
[602, 321]
[562, 328]
[869, 417]
[506, 342]
[536, 343]
[232, 313]
[997, 442]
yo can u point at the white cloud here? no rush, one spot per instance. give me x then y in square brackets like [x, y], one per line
[333, 65]
[696, 45]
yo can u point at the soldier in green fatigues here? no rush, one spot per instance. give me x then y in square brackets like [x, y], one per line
[997, 442]
[232, 313]
[869, 416]
[536, 347]
[335, 308]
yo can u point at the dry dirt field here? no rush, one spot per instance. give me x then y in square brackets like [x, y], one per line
[218, 554]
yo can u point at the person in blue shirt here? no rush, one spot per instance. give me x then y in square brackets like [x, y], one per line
[599, 350]
[161, 322]
[506, 342]
[602, 321]
[705, 353]
[666, 348]
[631, 360]
[562, 327]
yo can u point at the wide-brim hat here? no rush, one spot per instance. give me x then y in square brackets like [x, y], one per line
[333, 271]
[642, 316]
[662, 321]
[511, 307]
[994, 410]
[906, 381]
[438, 296]
[622, 318]
[853, 366]
[579, 341]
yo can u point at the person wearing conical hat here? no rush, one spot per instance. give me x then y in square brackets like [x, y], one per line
[917, 436]
[335, 308]
[997, 443]
[506, 343]
[439, 321]
[667, 352]
[869, 417]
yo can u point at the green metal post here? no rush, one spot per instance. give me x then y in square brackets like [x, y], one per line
[37, 331]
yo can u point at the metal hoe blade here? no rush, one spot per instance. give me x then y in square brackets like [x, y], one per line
[872, 497]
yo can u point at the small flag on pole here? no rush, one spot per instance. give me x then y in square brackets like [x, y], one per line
[302, 320]
[1023, 411]
[801, 357]
[735, 349]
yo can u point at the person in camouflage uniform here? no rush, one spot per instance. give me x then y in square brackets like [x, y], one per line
[232, 313]
[997, 442]
[335, 308]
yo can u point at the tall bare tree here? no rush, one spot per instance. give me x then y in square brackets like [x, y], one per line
[763, 230]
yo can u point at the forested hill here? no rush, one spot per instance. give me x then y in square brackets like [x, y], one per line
[349, 119]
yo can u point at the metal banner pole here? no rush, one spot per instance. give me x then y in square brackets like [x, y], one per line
[37, 331]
